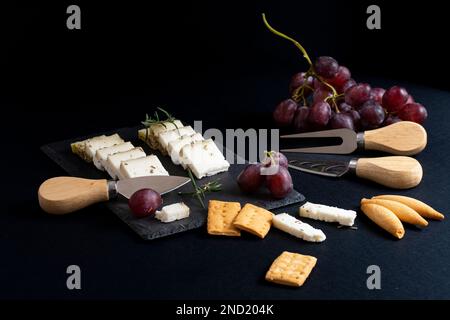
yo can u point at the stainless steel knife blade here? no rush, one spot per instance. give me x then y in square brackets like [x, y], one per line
[161, 184]
[322, 167]
[350, 141]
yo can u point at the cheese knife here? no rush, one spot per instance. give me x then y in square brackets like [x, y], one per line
[403, 138]
[396, 172]
[61, 195]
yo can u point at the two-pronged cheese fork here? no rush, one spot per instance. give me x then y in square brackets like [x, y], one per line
[403, 138]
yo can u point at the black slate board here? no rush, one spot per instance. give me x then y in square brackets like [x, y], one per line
[151, 228]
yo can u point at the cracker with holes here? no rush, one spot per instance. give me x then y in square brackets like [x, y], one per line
[291, 269]
[220, 218]
[254, 219]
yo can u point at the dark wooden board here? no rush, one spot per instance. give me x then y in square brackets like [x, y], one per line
[151, 228]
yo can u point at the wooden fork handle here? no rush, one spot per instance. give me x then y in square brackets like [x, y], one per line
[403, 138]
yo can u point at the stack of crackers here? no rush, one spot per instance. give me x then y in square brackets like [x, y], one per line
[229, 219]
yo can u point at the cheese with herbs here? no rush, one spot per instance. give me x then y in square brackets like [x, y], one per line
[327, 213]
[297, 228]
[114, 161]
[174, 147]
[141, 167]
[101, 156]
[167, 136]
[150, 135]
[86, 149]
[173, 212]
[203, 158]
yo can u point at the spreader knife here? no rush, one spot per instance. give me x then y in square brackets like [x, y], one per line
[396, 172]
[63, 195]
[403, 138]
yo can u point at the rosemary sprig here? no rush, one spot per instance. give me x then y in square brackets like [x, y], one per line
[150, 121]
[199, 192]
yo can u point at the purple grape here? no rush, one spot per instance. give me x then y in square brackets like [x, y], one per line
[395, 98]
[347, 85]
[300, 123]
[250, 179]
[358, 94]
[391, 119]
[321, 95]
[320, 114]
[342, 120]
[414, 112]
[274, 157]
[341, 77]
[344, 107]
[377, 94]
[372, 115]
[410, 99]
[356, 119]
[144, 202]
[284, 113]
[280, 184]
[298, 80]
[326, 67]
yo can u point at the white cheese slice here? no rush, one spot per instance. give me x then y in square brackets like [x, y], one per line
[150, 135]
[174, 147]
[295, 227]
[141, 167]
[327, 213]
[203, 158]
[92, 145]
[79, 148]
[167, 136]
[101, 156]
[112, 165]
[176, 211]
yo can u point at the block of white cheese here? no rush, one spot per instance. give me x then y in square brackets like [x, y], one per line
[112, 165]
[174, 147]
[101, 156]
[167, 136]
[203, 158]
[176, 211]
[295, 227]
[141, 167]
[327, 213]
[150, 135]
[86, 149]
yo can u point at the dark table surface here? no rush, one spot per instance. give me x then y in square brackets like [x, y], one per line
[37, 248]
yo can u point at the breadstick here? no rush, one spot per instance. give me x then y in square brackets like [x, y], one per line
[423, 209]
[385, 218]
[402, 211]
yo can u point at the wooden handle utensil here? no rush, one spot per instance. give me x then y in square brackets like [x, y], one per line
[396, 172]
[63, 195]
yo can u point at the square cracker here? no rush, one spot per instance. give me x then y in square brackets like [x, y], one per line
[220, 218]
[291, 269]
[254, 219]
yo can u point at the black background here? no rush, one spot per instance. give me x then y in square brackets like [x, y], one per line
[213, 61]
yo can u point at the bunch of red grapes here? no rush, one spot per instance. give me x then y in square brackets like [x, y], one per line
[326, 97]
[279, 184]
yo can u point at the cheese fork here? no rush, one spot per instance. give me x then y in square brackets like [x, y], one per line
[403, 138]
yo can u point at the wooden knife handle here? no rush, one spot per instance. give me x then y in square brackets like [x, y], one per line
[63, 195]
[395, 172]
[403, 138]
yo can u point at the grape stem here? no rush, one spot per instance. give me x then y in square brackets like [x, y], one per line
[295, 42]
[299, 92]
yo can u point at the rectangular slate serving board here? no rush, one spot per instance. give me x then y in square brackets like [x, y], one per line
[151, 228]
